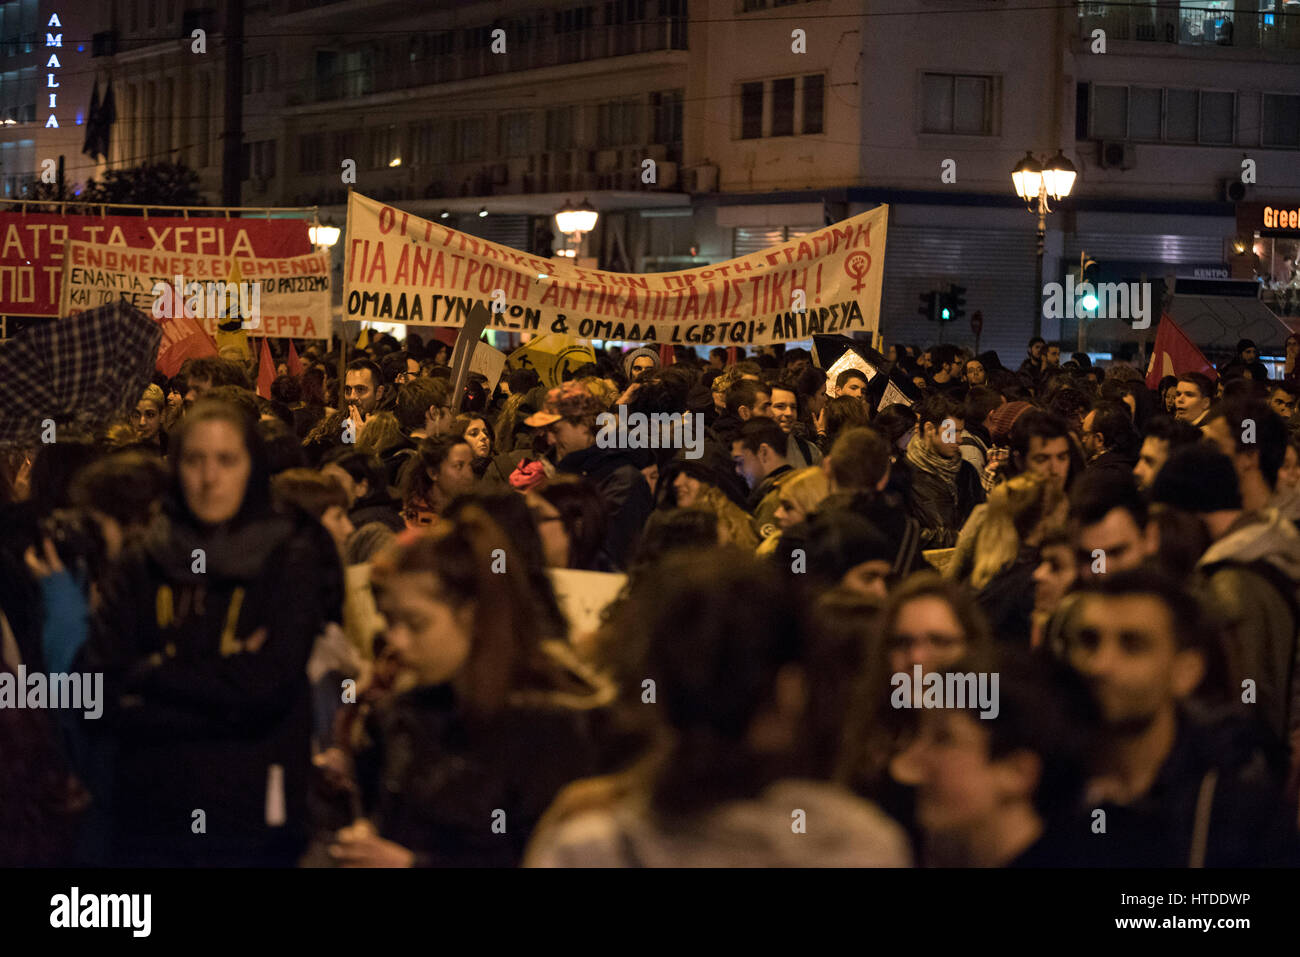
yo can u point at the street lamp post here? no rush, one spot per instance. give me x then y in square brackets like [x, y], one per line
[574, 221]
[1036, 183]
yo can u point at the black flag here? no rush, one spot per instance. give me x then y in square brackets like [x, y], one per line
[107, 117]
[92, 123]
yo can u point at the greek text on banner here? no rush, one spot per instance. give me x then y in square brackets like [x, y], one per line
[402, 268]
[294, 299]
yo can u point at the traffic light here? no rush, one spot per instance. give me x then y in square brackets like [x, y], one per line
[956, 301]
[929, 305]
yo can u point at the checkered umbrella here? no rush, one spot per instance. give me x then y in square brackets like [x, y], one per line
[78, 370]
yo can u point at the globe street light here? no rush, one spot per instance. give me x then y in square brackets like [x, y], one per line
[1037, 183]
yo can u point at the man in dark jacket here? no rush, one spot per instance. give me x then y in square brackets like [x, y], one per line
[1180, 785]
[1109, 437]
[569, 418]
[945, 487]
[759, 454]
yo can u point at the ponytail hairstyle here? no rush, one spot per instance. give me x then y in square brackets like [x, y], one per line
[1015, 509]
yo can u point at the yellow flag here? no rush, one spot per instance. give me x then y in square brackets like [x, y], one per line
[231, 337]
[363, 340]
[552, 356]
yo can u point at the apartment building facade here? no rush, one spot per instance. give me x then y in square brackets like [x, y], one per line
[1157, 112]
[761, 119]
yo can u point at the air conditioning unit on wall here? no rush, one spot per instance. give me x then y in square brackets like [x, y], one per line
[1112, 154]
[1232, 190]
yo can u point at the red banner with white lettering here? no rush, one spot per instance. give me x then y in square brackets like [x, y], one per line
[31, 247]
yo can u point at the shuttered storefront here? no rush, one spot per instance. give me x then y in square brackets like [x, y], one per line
[512, 231]
[996, 267]
[753, 239]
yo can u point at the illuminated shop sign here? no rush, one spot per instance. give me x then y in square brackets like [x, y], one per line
[51, 84]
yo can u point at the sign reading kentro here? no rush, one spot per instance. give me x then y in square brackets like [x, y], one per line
[31, 247]
[401, 268]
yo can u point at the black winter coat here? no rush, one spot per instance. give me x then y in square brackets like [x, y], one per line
[624, 490]
[463, 792]
[940, 513]
[197, 719]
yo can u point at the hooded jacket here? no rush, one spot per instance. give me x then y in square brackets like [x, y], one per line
[1253, 575]
[201, 718]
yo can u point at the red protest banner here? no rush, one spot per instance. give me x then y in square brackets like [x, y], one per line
[31, 247]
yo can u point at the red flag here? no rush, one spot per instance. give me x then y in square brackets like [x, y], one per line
[1175, 354]
[293, 362]
[733, 355]
[666, 355]
[183, 338]
[265, 370]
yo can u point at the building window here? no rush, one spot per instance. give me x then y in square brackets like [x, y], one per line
[666, 108]
[516, 134]
[781, 99]
[814, 99]
[311, 153]
[560, 128]
[469, 139]
[1161, 115]
[619, 123]
[385, 146]
[259, 160]
[955, 103]
[257, 74]
[1281, 120]
[751, 111]
[783, 107]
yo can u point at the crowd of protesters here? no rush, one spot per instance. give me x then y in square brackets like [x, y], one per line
[334, 626]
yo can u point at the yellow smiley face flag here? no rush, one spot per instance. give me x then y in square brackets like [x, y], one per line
[231, 337]
[552, 356]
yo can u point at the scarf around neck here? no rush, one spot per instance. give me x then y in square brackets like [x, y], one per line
[922, 457]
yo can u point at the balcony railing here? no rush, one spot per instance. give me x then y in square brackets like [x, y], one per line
[394, 70]
[1192, 24]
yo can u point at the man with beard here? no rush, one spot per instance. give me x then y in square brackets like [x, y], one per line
[1179, 783]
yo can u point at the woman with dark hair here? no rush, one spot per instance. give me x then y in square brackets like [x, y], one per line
[457, 771]
[570, 518]
[1165, 391]
[841, 412]
[476, 429]
[203, 637]
[724, 645]
[709, 482]
[437, 472]
[931, 623]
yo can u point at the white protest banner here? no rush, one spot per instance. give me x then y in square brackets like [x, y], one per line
[277, 297]
[402, 268]
[489, 363]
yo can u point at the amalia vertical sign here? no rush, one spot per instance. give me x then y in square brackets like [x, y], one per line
[51, 84]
